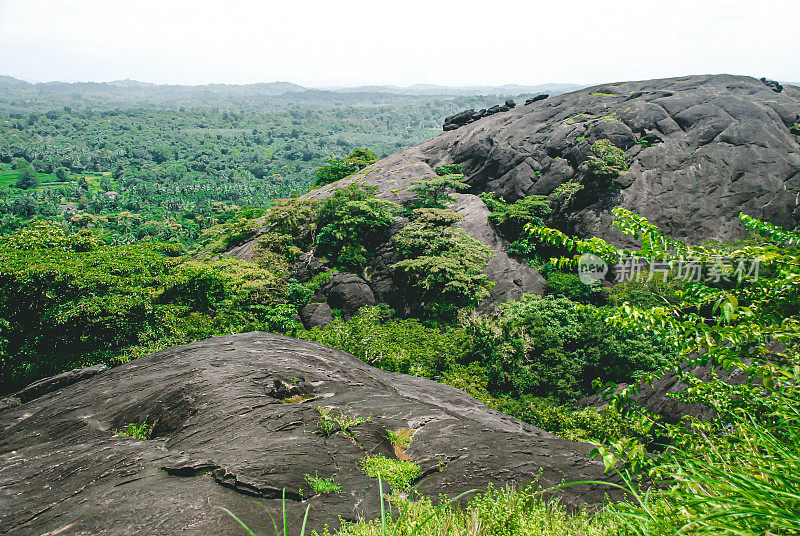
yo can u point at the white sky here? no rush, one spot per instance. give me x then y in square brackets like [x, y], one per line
[352, 42]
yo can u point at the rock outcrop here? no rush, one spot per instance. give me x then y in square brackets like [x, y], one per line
[233, 424]
[470, 116]
[698, 149]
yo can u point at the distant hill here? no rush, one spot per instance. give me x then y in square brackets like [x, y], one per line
[140, 88]
[11, 82]
[431, 89]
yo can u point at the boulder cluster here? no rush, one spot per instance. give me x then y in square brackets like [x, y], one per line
[772, 84]
[470, 116]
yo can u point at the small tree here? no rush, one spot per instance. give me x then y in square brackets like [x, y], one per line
[433, 192]
[352, 222]
[444, 266]
[608, 160]
[27, 178]
[339, 168]
[361, 158]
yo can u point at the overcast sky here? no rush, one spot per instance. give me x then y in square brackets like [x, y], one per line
[399, 42]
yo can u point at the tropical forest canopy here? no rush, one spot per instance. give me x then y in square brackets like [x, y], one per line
[168, 162]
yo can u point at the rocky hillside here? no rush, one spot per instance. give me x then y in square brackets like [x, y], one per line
[697, 151]
[236, 418]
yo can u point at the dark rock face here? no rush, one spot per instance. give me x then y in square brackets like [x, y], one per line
[234, 420]
[316, 314]
[700, 149]
[537, 98]
[466, 117]
[48, 385]
[348, 293]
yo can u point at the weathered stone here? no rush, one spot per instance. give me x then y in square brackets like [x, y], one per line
[773, 84]
[48, 385]
[225, 436]
[348, 293]
[316, 315]
[537, 98]
[711, 146]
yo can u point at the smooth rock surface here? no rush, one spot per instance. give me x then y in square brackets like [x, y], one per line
[224, 437]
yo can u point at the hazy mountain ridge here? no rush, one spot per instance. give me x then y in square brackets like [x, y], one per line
[281, 87]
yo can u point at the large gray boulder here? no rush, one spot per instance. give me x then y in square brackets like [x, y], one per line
[700, 149]
[234, 425]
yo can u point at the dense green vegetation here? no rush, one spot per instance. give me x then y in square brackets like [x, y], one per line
[443, 264]
[351, 223]
[737, 473]
[70, 299]
[169, 165]
[101, 208]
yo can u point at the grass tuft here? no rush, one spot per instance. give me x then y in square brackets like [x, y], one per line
[321, 486]
[330, 423]
[137, 431]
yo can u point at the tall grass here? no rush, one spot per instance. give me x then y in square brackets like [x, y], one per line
[745, 483]
[501, 512]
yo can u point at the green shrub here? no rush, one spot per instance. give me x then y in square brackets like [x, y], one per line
[398, 345]
[401, 439]
[322, 486]
[351, 223]
[643, 293]
[27, 178]
[511, 219]
[595, 425]
[608, 160]
[449, 169]
[551, 347]
[330, 423]
[137, 431]
[298, 294]
[565, 193]
[336, 169]
[570, 286]
[196, 286]
[432, 192]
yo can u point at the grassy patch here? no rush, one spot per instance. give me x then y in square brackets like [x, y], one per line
[401, 439]
[398, 473]
[321, 486]
[505, 512]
